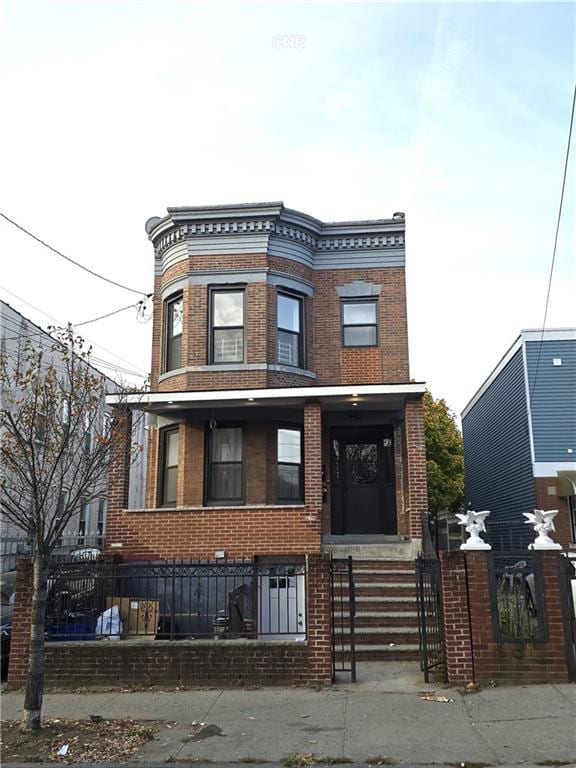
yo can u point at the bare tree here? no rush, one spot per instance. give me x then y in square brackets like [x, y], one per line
[55, 438]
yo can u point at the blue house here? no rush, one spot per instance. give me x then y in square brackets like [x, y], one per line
[519, 433]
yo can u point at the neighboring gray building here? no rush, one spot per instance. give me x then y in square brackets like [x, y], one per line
[87, 528]
[519, 434]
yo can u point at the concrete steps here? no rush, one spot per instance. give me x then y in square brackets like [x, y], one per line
[386, 620]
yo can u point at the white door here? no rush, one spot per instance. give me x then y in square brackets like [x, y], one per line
[282, 607]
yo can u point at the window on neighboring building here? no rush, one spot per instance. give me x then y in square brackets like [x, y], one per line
[168, 466]
[225, 467]
[174, 309]
[100, 522]
[289, 477]
[82, 522]
[359, 323]
[289, 334]
[227, 326]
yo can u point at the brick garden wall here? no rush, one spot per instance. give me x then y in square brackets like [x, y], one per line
[198, 662]
[471, 651]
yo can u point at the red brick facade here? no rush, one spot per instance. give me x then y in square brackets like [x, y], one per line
[546, 491]
[472, 653]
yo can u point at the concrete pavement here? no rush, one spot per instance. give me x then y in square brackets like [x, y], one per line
[381, 715]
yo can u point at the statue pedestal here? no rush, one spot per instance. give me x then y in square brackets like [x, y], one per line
[472, 545]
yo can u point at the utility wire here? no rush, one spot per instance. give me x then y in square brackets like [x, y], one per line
[137, 306]
[59, 323]
[76, 263]
[555, 245]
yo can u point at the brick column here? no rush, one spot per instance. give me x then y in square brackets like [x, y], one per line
[190, 492]
[415, 438]
[319, 620]
[21, 623]
[118, 474]
[313, 459]
[456, 617]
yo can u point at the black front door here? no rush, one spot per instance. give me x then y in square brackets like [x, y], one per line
[363, 493]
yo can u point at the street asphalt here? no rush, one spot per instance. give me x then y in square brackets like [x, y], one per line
[382, 716]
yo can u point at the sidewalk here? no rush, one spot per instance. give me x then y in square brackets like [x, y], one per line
[383, 716]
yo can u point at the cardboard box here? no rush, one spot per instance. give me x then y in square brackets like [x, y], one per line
[139, 617]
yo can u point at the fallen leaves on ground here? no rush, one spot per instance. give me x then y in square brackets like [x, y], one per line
[88, 742]
[429, 696]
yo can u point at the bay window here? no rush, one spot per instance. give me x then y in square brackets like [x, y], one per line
[173, 339]
[289, 472]
[225, 466]
[227, 326]
[289, 346]
[169, 439]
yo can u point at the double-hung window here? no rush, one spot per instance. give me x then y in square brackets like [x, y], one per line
[289, 348]
[360, 323]
[225, 467]
[289, 475]
[169, 439]
[173, 342]
[227, 326]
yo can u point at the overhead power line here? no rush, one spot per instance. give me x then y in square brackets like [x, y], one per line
[72, 261]
[566, 159]
[59, 323]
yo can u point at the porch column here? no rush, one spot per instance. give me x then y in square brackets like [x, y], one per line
[313, 458]
[415, 438]
[118, 473]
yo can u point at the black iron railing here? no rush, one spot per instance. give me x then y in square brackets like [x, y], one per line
[516, 591]
[343, 617]
[430, 616]
[93, 599]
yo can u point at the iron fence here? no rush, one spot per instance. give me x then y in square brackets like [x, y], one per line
[516, 590]
[96, 599]
[430, 616]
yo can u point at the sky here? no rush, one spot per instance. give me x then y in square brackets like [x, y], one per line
[455, 113]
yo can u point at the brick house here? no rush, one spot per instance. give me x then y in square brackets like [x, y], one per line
[282, 420]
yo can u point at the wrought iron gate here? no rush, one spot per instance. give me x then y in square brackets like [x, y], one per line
[343, 616]
[568, 588]
[430, 618]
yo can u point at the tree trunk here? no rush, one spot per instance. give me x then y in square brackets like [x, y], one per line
[35, 681]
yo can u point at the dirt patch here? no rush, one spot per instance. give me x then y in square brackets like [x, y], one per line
[88, 742]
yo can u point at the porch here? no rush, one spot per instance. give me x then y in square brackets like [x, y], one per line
[276, 471]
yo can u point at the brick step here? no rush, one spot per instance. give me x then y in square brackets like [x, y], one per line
[375, 619]
[408, 652]
[384, 577]
[384, 603]
[381, 590]
[384, 565]
[386, 634]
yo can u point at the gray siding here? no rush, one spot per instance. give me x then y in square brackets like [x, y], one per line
[553, 399]
[497, 458]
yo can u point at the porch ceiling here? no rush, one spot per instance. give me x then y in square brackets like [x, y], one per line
[332, 398]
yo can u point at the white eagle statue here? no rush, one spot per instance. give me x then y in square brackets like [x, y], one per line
[474, 523]
[542, 521]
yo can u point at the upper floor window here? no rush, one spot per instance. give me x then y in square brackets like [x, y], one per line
[173, 342]
[289, 478]
[359, 323]
[289, 334]
[169, 439]
[225, 467]
[227, 326]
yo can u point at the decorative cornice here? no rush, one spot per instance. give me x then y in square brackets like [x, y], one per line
[225, 224]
